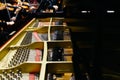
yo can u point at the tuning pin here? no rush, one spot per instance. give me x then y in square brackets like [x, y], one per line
[8, 77]
[15, 76]
[3, 79]
[11, 62]
[4, 73]
[18, 78]
[10, 72]
[26, 58]
[13, 73]
[9, 65]
[19, 73]
[15, 61]
[20, 61]
[14, 64]
[17, 57]
[0, 77]
[12, 59]
[17, 70]
[11, 78]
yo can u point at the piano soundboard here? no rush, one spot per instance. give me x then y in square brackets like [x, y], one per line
[41, 50]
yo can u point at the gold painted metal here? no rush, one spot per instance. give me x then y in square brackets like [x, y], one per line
[42, 67]
[40, 30]
[25, 67]
[59, 67]
[34, 45]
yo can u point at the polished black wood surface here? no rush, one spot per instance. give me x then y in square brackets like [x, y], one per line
[101, 59]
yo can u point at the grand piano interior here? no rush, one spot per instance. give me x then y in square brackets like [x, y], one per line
[81, 41]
